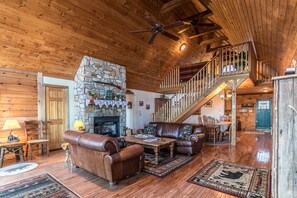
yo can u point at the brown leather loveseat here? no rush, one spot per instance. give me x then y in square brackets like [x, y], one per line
[189, 139]
[101, 155]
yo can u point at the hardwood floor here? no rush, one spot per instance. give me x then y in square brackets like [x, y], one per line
[252, 149]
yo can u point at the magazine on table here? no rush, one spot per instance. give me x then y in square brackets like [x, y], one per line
[152, 140]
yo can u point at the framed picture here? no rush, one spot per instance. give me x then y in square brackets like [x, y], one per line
[147, 106]
[208, 104]
[129, 105]
[140, 103]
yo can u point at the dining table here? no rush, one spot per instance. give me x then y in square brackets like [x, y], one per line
[224, 125]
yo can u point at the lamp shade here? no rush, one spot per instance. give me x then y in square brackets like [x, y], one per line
[11, 124]
[78, 125]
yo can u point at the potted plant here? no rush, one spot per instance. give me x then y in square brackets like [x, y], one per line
[91, 94]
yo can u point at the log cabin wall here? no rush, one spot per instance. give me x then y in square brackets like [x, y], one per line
[18, 100]
[248, 119]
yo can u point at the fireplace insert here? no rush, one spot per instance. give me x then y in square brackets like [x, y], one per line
[107, 125]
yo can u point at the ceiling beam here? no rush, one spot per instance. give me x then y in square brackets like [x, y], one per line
[199, 16]
[216, 48]
[205, 32]
[213, 40]
[172, 4]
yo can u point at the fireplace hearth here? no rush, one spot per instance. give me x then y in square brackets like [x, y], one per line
[107, 125]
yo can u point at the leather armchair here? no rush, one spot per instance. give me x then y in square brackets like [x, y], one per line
[101, 155]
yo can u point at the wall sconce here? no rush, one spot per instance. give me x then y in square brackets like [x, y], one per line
[182, 47]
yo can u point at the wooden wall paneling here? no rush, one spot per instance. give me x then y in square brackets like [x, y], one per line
[284, 138]
[18, 99]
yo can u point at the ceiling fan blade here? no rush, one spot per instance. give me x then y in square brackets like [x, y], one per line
[152, 38]
[173, 25]
[150, 21]
[139, 31]
[183, 30]
[170, 36]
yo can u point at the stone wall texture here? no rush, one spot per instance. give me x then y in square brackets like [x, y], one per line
[88, 77]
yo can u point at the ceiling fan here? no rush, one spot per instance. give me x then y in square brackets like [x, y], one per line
[195, 21]
[157, 28]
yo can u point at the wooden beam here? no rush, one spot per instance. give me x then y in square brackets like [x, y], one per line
[213, 40]
[205, 32]
[199, 16]
[233, 117]
[40, 97]
[216, 48]
[172, 4]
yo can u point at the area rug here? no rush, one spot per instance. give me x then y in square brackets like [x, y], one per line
[39, 186]
[166, 164]
[234, 179]
[17, 168]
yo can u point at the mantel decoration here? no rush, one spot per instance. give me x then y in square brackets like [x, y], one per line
[91, 94]
[108, 103]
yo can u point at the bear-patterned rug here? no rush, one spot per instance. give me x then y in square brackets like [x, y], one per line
[234, 179]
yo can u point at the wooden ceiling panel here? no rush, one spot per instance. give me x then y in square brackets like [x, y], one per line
[270, 25]
[53, 36]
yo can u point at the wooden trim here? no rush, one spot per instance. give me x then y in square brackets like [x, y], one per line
[18, 71]
[58, 86]
[213, 40]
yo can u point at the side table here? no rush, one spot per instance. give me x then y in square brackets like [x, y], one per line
[11, 147]
[65, 147]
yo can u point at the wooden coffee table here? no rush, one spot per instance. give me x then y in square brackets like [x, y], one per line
[156, 145]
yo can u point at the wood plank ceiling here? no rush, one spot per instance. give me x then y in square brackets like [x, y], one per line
[270, 25]
[52, 36]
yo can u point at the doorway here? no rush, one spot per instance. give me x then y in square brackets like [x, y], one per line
[56, 108]
[263, 114]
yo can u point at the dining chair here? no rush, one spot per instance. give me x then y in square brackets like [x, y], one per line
[35, 132]
[212, 130]
[228, 133]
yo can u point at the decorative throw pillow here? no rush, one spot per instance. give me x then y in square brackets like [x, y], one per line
[186, 132]
[150, 129]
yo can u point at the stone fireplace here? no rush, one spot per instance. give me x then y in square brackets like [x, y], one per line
[100, 76]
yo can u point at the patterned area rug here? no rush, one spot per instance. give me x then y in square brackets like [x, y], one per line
[38, 186]
[166, 164]
[17, 168]
[234, 179]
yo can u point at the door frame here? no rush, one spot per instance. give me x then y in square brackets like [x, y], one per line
[270, 105]
[66, 121]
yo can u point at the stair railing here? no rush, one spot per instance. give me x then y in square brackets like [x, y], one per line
[172, 79]
[228, 61]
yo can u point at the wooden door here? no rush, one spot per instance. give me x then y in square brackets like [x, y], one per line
[263, 114]
[56, 114]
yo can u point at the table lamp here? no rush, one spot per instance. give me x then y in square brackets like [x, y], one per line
[11, 124]
[79, 125]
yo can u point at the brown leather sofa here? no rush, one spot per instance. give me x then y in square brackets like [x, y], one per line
[101, 155]
[190, 145]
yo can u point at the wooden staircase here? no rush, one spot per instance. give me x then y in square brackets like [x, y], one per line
[233, 63]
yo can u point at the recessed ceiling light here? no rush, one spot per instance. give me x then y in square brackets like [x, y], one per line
[182, 47]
